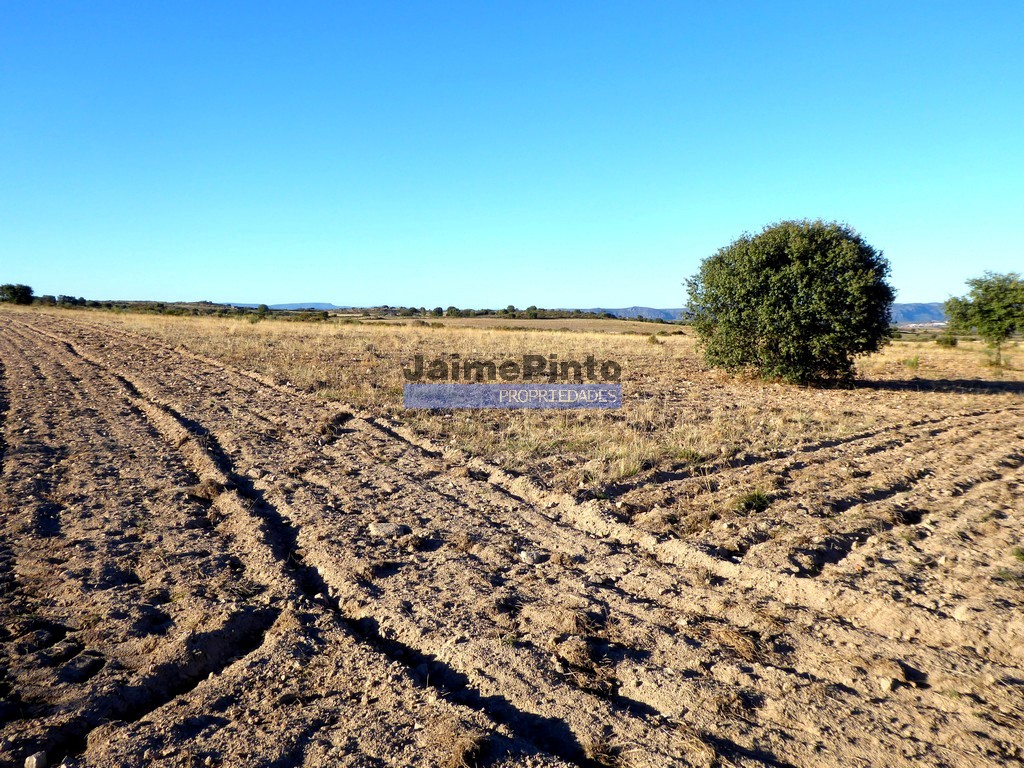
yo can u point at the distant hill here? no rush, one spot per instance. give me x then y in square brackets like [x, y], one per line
[308, 305]
[918, 313]
[633, 312]
[901, 313]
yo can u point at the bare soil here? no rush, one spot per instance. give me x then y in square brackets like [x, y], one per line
[202, 566]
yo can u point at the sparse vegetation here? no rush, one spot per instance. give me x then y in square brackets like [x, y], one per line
[714, 419]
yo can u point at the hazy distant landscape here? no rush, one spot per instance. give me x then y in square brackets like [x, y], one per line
[901, 313]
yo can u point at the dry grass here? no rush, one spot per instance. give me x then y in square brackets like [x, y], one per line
[676, 413]
[456, 742]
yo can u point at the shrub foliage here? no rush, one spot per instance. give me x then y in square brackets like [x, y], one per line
[16, 293]
[798, 302]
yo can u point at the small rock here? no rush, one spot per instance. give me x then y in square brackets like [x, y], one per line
[38, 760]
[532, 556]
[886, 684]
[389, 530]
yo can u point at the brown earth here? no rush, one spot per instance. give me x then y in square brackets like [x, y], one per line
[201, 566]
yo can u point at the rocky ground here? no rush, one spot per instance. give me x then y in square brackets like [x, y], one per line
[201, 566]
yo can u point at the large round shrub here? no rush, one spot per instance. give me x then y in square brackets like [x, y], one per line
[797, 301]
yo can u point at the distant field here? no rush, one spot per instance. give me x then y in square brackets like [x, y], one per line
[559, 324]
[676, 411]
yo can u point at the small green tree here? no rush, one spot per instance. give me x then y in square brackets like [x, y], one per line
[16, 293]
[994, 309]
[797, 301]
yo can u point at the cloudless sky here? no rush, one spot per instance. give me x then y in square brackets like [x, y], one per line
[570, 154]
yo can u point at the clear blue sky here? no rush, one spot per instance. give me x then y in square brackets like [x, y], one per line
[487, 153]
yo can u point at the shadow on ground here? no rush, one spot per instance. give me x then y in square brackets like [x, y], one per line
[963, 386]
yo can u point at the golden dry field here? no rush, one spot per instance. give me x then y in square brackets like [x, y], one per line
[226, 542]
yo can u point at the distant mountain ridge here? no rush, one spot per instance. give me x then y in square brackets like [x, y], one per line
[918, 313]
[900, 314]
[650, 313]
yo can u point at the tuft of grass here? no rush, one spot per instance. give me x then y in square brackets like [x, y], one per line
[913, 363]
[752, 501]
[1010, 575]
[458, 743]
[1018, 552]
[998, 360]
[599, 748]
[690, 456]
[737, 642]
[509, 639]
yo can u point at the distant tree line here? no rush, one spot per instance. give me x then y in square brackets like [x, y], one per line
[510, 312]
[23, 294]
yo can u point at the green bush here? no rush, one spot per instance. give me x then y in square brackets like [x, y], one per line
[796, 302]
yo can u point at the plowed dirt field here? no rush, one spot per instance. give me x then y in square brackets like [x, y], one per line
[202, 566]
